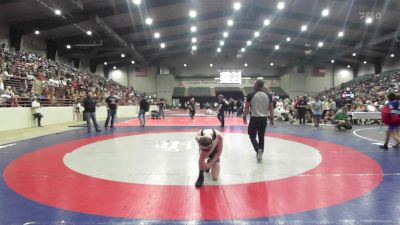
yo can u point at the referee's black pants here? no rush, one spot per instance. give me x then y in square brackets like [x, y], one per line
[257, 126]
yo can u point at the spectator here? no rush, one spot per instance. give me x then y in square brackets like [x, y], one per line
[36, 111]
[112, 105]
[90, 112]
[341, 119]
[316, 107]
[302, 109]
[143, 108]
[76, 110]
[222, 105]
[161, 106]
[192, 108]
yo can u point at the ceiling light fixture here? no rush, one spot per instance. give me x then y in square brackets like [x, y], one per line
[248, 43]
[348, 66]
[149, 21]
[37, 32]
[340, 34]
[225, 34]
[193, 29]
[157, 35]
[230, 22]
[245, 64]
[325, 12]
[89, 33]
[133, 62]
[122, 55]
[192, 14]
[304, 28]
[276, 47]
[211, 65]
[237, 6]
[194, 47]
[267, 22]
[242, 49]
[288, 39]
[354, 54]
[271, 64]
[194, 40]
[68, 46]
[162, 45]
[368, 20]
[137, 2]
[281, 5]
[218, 49]
[57, 12]
[105, 63]
[256, 34]
[320, 44]
[365, 62]
[221, 43]
[185, 65]
[392, 55]
[332, 61]
[114, 67]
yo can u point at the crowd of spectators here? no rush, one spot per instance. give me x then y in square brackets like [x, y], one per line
[24, 76]
[366, 93]
[371, 89]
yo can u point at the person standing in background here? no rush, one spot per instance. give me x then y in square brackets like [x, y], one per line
[332, 106]
[325, 106]
[302, 109]
[192, 108]
[231, 107]
[36, 111]
[144, 107]
[316, 107]
[112, 105]
[161, 105]
[90, 112]
[76, 110]
[221, 109]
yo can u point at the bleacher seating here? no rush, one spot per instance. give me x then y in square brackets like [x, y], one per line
[24, 75]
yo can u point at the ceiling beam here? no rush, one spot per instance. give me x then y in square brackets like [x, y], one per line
[5, 2]
[364, 45]
[80, 17]
[130, 48]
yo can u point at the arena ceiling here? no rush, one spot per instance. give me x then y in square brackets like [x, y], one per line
[119, 27]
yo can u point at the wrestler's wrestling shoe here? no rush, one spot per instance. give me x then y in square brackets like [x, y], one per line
[200, 180]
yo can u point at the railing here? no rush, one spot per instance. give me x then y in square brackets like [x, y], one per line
[27, 102]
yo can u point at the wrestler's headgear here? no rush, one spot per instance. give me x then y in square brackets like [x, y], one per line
[205, 143]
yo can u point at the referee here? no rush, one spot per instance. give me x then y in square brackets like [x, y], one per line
[258, 104]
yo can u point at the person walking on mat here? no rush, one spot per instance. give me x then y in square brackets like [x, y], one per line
[258, 104]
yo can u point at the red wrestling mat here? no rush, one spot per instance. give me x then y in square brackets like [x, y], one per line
[183, 121]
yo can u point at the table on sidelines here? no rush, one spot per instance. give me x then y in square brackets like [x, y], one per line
[365, 115]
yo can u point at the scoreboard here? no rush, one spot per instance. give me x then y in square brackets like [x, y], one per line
[230, 77]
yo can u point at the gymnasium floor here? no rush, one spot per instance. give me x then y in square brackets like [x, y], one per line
[145, 175]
